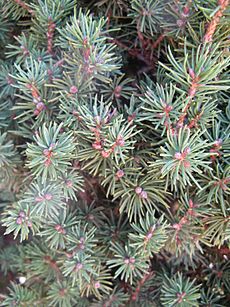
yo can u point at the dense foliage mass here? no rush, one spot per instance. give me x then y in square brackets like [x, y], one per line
[114, 153]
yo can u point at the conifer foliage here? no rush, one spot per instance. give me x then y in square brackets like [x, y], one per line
[114, 153]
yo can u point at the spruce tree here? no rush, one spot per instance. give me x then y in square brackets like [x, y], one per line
[114, 153]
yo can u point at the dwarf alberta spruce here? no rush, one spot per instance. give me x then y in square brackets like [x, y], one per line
[114, 153]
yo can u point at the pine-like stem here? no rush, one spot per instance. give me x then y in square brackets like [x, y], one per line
[223, 4]
[135, 293]
[191, 94]
[24, 6]
[194, 121]
[50, 35]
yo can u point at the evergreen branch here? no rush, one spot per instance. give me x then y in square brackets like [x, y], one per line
[114, 171]
[50, 34]
[135, 293]
[51, 154]
[222, 6]
[179, 292]
[24, 6]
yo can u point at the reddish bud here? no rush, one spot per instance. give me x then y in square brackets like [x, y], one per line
[222, 2]
[48, 196]
[52, 26]
[69, 183]
[39, 199]
[22, 214]
[73, 89]
[26, 52]
[187, 150]
[126, 260]
[60, 229]
[180, 124]
[40, 106]
[190, 203]
[192, 92]
[89, 70]
[120, 173]
[75, 113]
[19, 221]
[96, 146]
[85, 41]
[132, 260]
[117, 91]
[46, 152]
[149, 235]
[47, 162]
[191, 212]
[29, 86]
[187, 164]
[177, 226]
[131, 117]
[180, 297]
[191, 73]
[97, 285]
[184, 220]
[180, 23]
[186, 11]
[120, 141]
[52, 145]
[138, 190]
[97, 120]
[36, 112]
[178, 156]
[10, 81]
[57, 227]
[144, 195]
[82, 239]
[218, 143]
[168, 108]
[105, 154]
[78, 266]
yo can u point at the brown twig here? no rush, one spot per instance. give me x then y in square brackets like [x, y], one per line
[50, 35]
[155, 44]
[53, 264]
[223, 4]
[24, 6]
[191, 94]
[222, 251]
[150, 43]
[135, 293]
[194, 121]
[185, 219]
[145, 53]
[195, 79]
